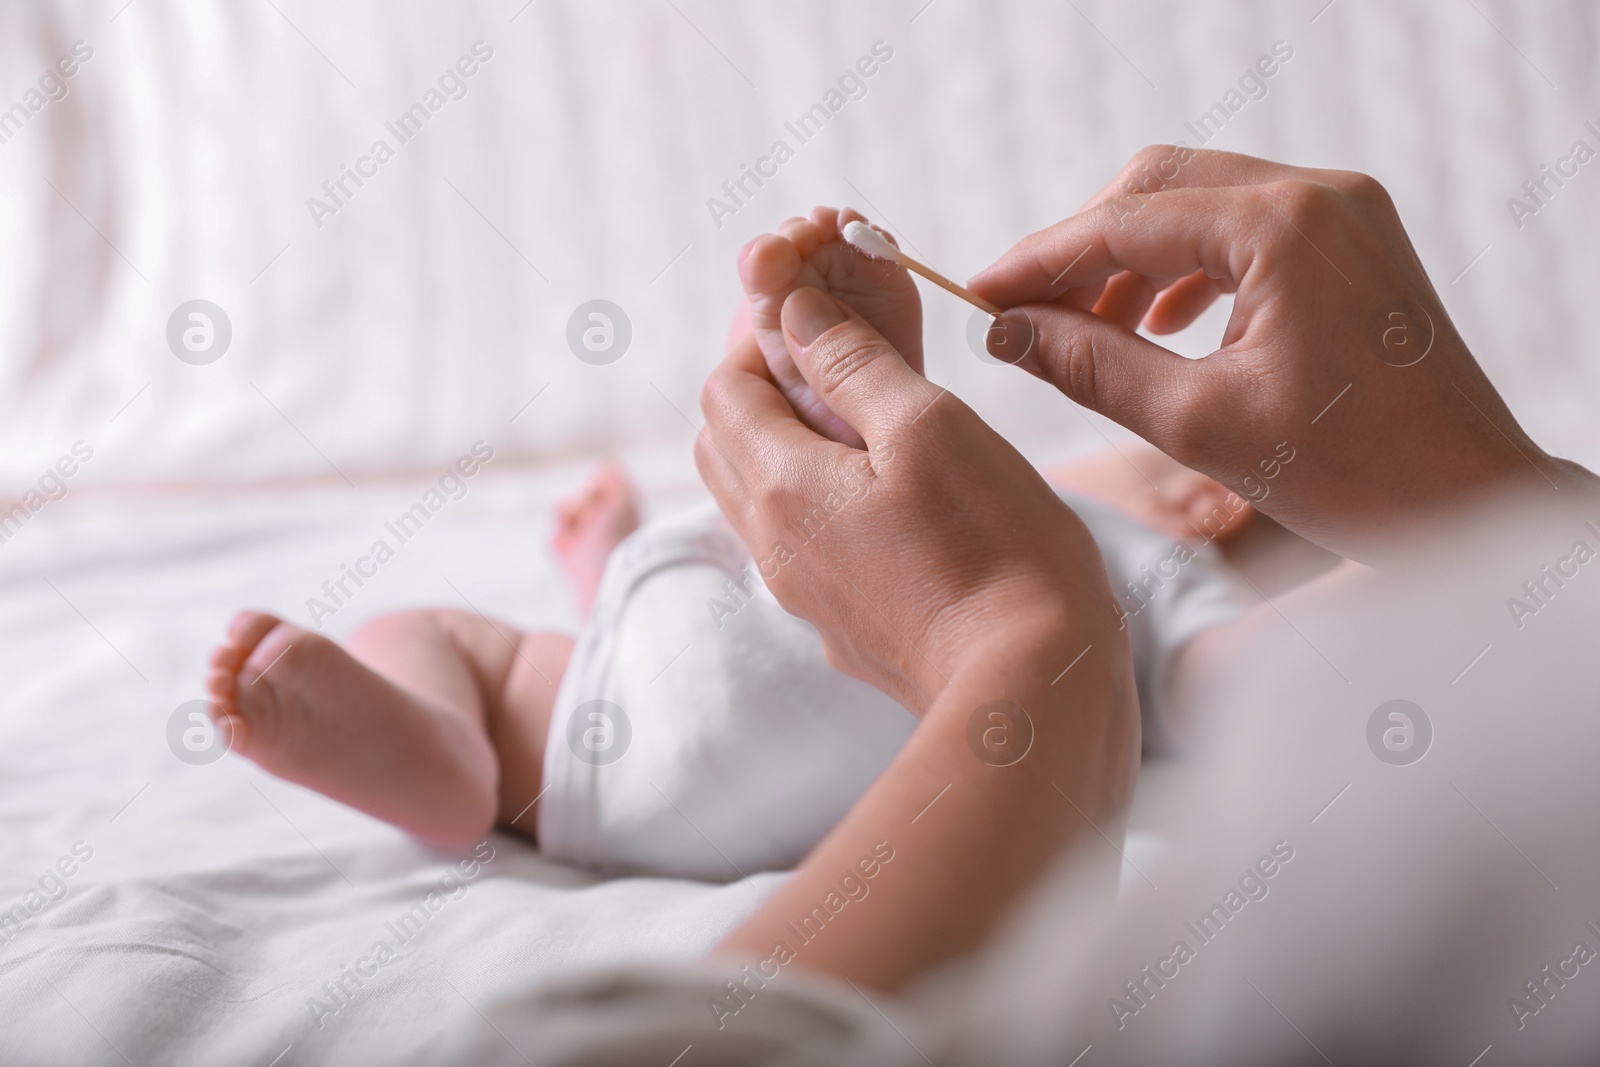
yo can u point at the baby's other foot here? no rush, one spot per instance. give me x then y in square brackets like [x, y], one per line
[589, 526]
[305, 710]
[1146, 484]
[810, 252]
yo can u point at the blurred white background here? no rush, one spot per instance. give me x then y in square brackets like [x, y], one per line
[432, 306]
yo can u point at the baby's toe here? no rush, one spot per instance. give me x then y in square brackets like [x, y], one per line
[769, 266]
[226, 657]
[805, 235]
[829, 221]
[248, 628]
[220, 685]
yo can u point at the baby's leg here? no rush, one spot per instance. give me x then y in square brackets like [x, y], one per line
[1145, 484]
[493, 676]
[432, 720]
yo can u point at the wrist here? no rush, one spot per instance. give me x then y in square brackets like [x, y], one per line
[1050, 684]
[1035, 649]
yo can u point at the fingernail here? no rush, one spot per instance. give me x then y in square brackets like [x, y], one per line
[1013, 339]
[809, 313]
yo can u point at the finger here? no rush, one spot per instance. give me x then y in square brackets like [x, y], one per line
[857, 374]
[1160, 235]
[1154, 392]
[1181, 303]
[1125, 300]
[747, 416]
[1165, 166]
[721, 477]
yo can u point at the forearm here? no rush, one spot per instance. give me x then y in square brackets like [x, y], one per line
[967, 837]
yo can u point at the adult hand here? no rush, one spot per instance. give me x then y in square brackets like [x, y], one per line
[938, 566]
[1341, 402]
[908, 557]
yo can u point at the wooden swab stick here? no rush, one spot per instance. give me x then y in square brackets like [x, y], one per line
[875, 244]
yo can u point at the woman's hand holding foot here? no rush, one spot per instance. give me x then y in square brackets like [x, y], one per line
[939, 566]
[810, 253]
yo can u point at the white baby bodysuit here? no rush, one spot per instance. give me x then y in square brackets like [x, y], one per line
[699, 731]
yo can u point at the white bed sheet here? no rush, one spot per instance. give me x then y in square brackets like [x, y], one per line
[217, 899]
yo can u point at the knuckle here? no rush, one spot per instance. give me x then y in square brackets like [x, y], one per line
[1077, 355]
[1153, 168]
[1151, 153]
[1301, 201]
[1117, 212]
[702, 452]
[1053, 252]
[1189, 432]
[1355, 182]
[714, 394]
[1143, 162]
[837, 361]
[1365, 189]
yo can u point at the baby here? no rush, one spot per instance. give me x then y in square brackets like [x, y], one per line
[693, 728]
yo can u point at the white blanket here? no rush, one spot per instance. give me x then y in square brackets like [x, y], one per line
[216, 901]
[214, 914]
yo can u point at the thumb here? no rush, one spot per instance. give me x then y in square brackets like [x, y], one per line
[1156, 393]
[856, 373]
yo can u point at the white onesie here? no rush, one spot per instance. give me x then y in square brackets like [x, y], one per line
[699, 731]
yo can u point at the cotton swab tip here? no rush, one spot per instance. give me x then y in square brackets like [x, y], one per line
[863, 237]
[870, 241]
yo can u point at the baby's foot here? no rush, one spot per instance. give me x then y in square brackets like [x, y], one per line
[304, 709]
[1146, 484]
[589, 526]
[810, 252]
